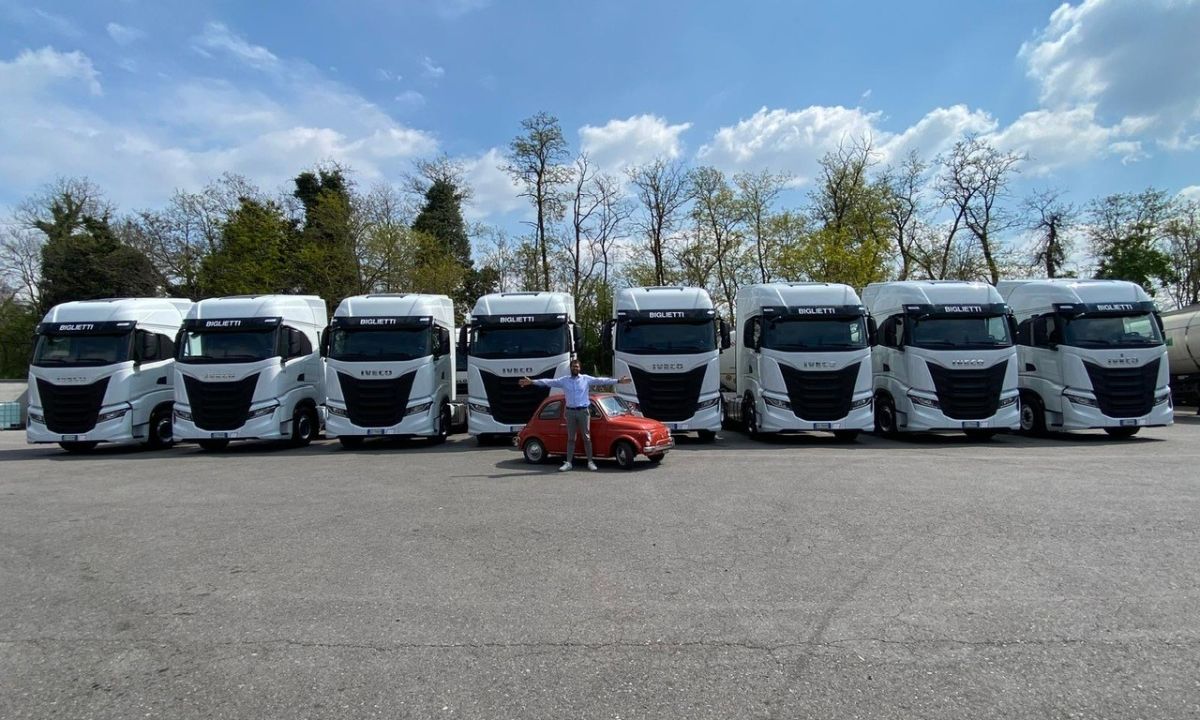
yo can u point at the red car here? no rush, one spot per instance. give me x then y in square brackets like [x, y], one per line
[617, 432]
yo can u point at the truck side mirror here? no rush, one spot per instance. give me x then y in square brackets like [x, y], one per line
[606, 335]
[872, 331]
[723, 329]
[576, 338]
[462, 339]
[325, 342]
[1012, 326]
[748, 335]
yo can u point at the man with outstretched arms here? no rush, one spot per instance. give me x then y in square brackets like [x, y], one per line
[576, 387]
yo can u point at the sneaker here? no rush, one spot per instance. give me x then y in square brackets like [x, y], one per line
[564, 467]
[592, 466]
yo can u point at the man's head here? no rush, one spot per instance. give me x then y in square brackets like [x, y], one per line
[575, 368]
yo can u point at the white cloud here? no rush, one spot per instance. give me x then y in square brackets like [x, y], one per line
[619, 144]
[935, 133]
[123, 34]
[34, 70]
[387, 75]
[410, 99]
[40, 20]
[495, 192]
[1054, 138]
[1191, 192]
[432, 70]
[220, 38]
[1127, 58]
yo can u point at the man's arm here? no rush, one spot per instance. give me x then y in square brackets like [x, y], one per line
[542, 382]
[594, 381]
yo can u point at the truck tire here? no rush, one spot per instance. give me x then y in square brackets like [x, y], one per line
[1121, 432]
[706, 436]
[304, 426]
[159, 432]
[351, 441]
[78, 447]
[625, 453]
[442, 431]
[213, 445]
[1033, 416]
[750, 418]
[534, 451]
[885, 416]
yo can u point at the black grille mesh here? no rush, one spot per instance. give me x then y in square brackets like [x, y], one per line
[71, 409]
[376, 403]
[220, 405]
[969, 394]
[820, 395]
[1124, 392]
[512, 404]
[669, 397]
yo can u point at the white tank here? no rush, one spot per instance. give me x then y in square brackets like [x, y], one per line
[1182, 328]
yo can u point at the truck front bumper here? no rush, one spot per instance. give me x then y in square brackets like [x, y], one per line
[423, 424]
[1078, 416]
[118, 430]
[776, 419]
[271, 426]
[919, 418]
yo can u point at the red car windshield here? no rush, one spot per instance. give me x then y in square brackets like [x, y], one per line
[612, 405]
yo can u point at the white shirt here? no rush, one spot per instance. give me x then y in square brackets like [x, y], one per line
[575, 387]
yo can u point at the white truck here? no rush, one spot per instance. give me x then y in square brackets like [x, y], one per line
[389, 368]
[668, 341]
[803, 360]
[1182, 330]
[510, 336]
[1090, 355]
[249, 367]
[103, 371]
[945, 358]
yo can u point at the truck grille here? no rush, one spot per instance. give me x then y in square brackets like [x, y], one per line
[510, 403]
[820, 395]
[71, 409]
[1124, 392]
[670, 397]
[220, 405]
[376, 403]
[969, 394]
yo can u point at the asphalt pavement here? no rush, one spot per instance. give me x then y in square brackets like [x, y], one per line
[929, 577]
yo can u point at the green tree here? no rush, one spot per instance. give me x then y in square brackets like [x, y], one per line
[323, 260]
[537, 160]
[249, 255]
[18, 319]
[1126, 234]
[441, 219]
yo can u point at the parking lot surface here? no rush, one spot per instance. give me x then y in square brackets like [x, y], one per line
[927, 577]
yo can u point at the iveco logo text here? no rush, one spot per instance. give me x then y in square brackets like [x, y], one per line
[375, 373]
[1123, 361]
[76, 327]
[1115, 307]
[70, 380]
[666, 366]
[219, 376]
[818, 364]
[967, 363]
[377, 321]
[517, 319]
[517, 371]
[963, 309]
[222, 323]
[663, 315]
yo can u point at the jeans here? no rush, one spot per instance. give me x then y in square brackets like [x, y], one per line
[579, 421]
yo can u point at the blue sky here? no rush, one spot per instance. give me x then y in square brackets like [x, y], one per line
[144, 97]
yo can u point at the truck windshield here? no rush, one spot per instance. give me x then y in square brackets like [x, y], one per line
[81, 350]
[663, 338]
[960, 333]
[507, 342]
[813, 335]
[392, 344]
[227, 347]
[1124, 331]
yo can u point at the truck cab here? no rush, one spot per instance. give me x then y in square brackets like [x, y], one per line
[389, 368]
[511, 336]
[103, 371]
[945, 358]
[668, 340]
[1091, 355]
[249, 367]
[803, 360]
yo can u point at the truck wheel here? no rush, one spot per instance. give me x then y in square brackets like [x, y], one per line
[213, 445]
[750, 417]
[885, 416]
[1033, 415]
[77, 447]
[706, 436]
[160, 431]
[304, 426]
[1121, 432]
[846, 436]
[625, 454]
[351, 441]
[980, 435]
[443, 426]
[534, 451]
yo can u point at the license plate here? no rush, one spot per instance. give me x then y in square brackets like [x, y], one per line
[377, 431]
[1127, 423]
[972, 424]
[822, 426]
[70, 438]
[220, 436]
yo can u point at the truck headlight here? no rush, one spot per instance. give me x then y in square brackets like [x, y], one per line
[36, 418]
[183, 415]
[1008, 401]
[336, 411]
[707, 404]
[482, 409]
[861, 403]
[924, 401]
[112, 415]
[1158, 399]
[1081, 400]
[777, 403]
[262, 411]
[418, 409]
